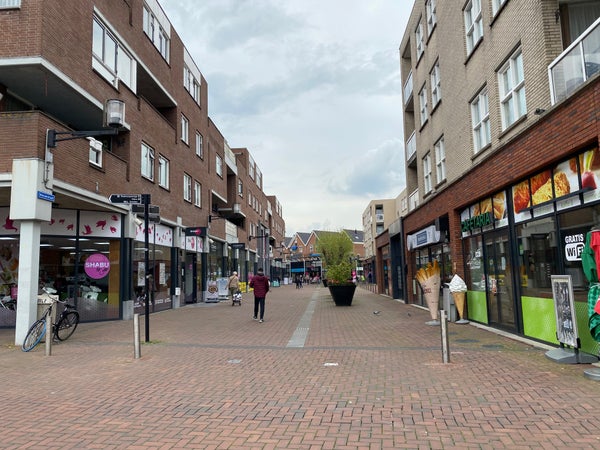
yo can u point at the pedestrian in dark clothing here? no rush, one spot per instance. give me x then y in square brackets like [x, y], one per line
[260, 284]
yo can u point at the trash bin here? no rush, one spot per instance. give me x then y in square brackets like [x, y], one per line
[448, 303]
[43, 303]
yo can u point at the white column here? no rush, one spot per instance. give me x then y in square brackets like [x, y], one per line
[29, 271]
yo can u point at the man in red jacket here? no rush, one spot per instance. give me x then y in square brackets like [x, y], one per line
[260, 283]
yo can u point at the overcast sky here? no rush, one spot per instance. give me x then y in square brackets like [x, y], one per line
[312, 88]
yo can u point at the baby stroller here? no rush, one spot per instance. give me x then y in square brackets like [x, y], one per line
[236, 298]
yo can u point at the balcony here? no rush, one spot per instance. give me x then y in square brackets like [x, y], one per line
[408, 89]
[411, 148]
[378, 218]
[413, 200]
[574, 66]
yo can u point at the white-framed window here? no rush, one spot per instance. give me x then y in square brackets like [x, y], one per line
[156, 32]
[423, 114]
[496, 5]
[240, 188]
[95, 152]
[163, 172]
[219, 165]
[109, 57]
[427, 181]
[191, 84]
[419, 42]
[147, 161]
[480, 120]
[431, 8]
[473, 24]
[187, 187]
[197, 194]
[9, 4]
[258, 178]
[436, 90]
[440, 160]
[511, 84]
[199, 145]
[185, 129]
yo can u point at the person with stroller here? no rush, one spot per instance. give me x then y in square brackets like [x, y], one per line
[233, 285]
[260, 284]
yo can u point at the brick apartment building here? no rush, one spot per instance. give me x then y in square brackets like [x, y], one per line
[59, 65]
[501, 130]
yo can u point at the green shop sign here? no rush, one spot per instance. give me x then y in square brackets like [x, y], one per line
[477, 222]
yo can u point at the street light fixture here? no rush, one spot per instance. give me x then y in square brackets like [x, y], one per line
[114, 117]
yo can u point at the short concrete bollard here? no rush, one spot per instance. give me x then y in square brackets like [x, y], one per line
[444, 328]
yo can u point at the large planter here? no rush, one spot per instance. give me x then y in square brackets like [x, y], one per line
[342, 295]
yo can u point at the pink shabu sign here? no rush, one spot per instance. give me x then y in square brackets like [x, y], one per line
[97, 266]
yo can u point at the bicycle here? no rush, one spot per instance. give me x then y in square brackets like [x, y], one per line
[62, 330]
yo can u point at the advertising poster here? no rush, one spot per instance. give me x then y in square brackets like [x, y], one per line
[566, 325]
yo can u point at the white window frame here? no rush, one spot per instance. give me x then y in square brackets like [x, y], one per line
[423, 113]
[473, 24]
[95, 153]
[511, 89]
[219, 165]
[431, 11]
[436, 90]
[419, 40]
[191, 84]
[147, 162]
[156, 33]
[187, 188]
[496, 5]
[185, 129]
[197, 194]
[240, 188]
[163, 172]
[427, 175]
[199, 145]
[109, 57]
[440, 160]
[480, 121]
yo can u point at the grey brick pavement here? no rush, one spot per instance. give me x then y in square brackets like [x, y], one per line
[312, 376]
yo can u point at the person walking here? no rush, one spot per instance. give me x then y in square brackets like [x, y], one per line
[260, 284]
[233, 284]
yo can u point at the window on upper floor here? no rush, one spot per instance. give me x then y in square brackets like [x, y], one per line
[109, 57]
[147, 160]
[10, 4]
[473, 24]
[440, 160]
[163, 172]
[199, 145]
[511, 87]
[480, 120]
[95, 156]
[187, 187]
[185, 129]
[191, 84]
[496, 5]
[219, 165]
[427, 181]
[419, 40]
[423, 114]
[240, 188]
[156, 32]
[431, 7]
[436, 91]
[197, 194]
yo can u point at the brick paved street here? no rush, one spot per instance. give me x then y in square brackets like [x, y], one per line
[312, 376]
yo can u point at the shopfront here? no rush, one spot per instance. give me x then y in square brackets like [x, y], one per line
[514, 241]
[80, 257]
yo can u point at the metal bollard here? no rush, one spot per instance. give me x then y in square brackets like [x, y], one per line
[49, 334]
[444, 328]
[136, 336]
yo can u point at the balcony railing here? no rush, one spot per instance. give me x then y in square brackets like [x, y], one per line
[413, 200]
[576, 64]
[411, 147]
[408, 88]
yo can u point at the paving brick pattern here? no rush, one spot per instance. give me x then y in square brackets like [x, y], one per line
[212, 378]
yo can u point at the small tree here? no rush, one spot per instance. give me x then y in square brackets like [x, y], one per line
[336, 250]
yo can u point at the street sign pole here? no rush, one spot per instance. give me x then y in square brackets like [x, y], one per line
[146, 203]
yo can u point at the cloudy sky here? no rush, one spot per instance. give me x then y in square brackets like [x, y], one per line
[312, 88]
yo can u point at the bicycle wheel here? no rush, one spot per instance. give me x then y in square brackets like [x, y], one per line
[35, 334]
[66, 325]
